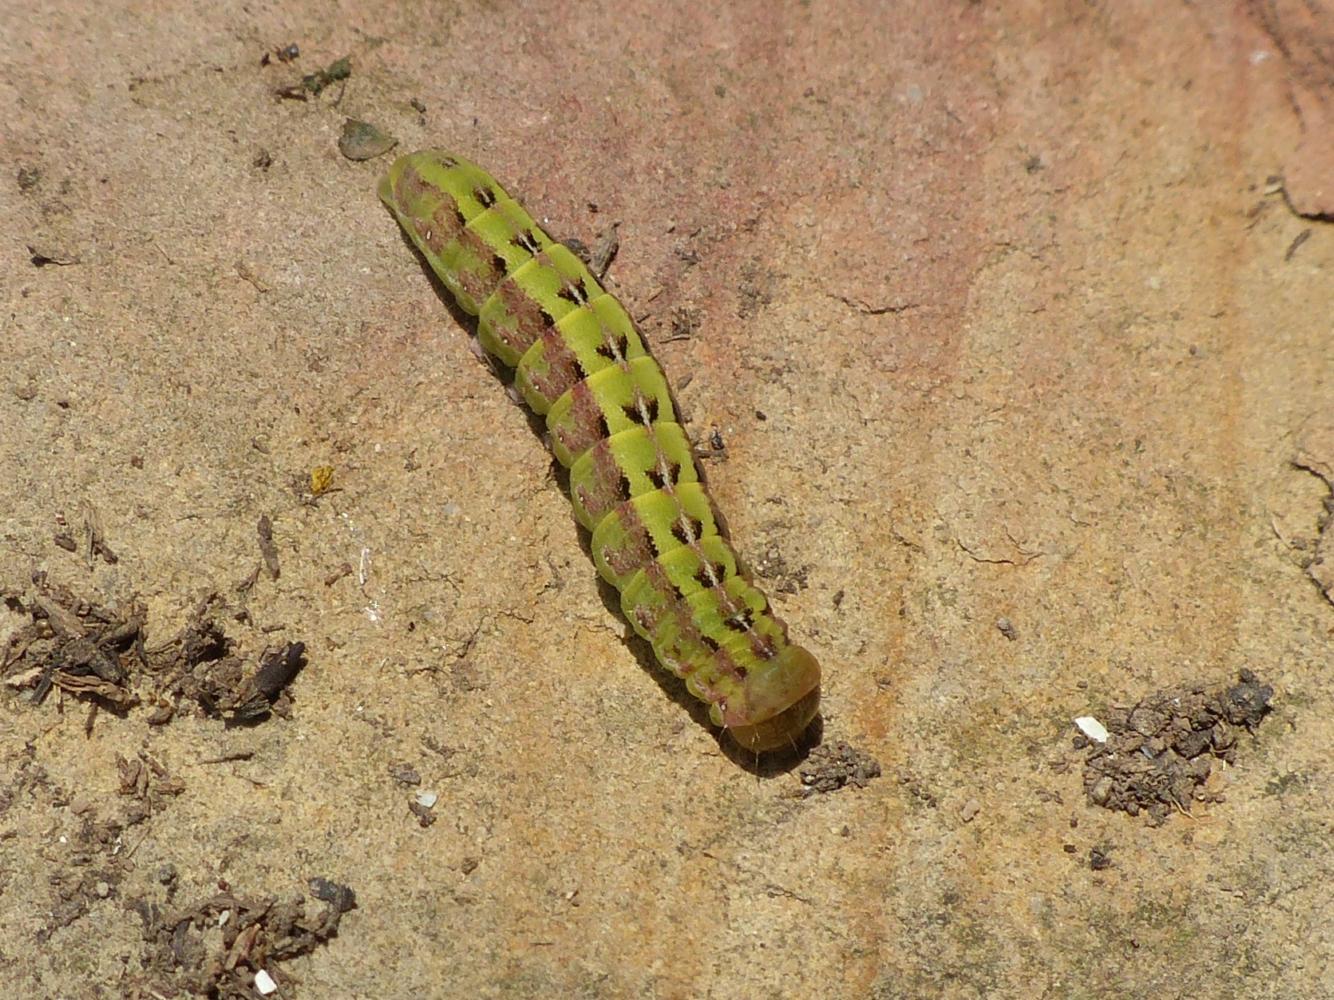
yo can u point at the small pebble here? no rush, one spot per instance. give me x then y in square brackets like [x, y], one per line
[1092, 728]
[427, 800]
[1101, 790]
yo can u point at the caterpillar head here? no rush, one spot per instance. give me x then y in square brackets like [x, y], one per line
[780, 702]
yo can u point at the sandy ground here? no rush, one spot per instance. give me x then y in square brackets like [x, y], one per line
[1002, 311]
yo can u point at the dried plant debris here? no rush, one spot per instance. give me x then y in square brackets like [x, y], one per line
[363, 141]
[90, 861]
[267, 548]
[94, 533]
[201, 664]
[98, 653]
[42, 256]
[831, 766]
[147, 784]
[285, 54]
[233, 691]
[313, 83]
[1159, 754]
[230, 946]
[74, 645]
[605, 252]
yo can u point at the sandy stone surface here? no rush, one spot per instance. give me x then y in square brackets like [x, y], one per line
[1015, 323]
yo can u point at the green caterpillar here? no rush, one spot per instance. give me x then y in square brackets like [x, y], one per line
[579, 362]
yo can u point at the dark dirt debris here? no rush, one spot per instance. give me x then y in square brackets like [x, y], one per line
[44, 256]
[91, 861]
[831, 766]
[1160, 753]
[94, 533]
[98, 653]
[685, 322]
[313, 83]
[599, 257]
[604, 253]
[405, 774]
[148, 785]
[75, 645]
[284, 54]
[226, 687]
[215, 947]
[201, 664]
[267, 548]
[1319, 561]
[331, 892]
[773, 566]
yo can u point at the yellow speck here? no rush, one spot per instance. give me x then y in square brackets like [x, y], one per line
[321, 478]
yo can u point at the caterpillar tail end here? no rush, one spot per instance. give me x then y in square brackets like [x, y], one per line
[783, 701]
[385, 189]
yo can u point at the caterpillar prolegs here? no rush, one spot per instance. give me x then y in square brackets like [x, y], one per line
[579, 362]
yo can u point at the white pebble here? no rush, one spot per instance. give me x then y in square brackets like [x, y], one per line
[264, 983]
[1092, 728]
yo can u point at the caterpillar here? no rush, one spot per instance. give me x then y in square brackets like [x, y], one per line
[578, 362]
